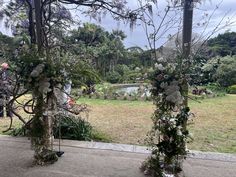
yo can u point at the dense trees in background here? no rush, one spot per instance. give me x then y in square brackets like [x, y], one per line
[106, 54]
[219, 64]
[221, 70]
[223, 44]
[101, 48]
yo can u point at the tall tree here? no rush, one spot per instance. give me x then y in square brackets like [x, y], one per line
[41, 61]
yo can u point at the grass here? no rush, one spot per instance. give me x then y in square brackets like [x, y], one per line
[124, 121]
[214, 127]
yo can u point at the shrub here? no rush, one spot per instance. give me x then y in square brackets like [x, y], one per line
[99, 136]
[232, 89]
[113, 77]
[76, 128]
[226, 72]
[72, 127]
[21, 131]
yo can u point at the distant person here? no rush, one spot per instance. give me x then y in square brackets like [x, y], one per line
[5, 83]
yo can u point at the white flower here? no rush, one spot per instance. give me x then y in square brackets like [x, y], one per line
[172, 92]
[172, 122]
[162, 60]
[168, 175]
[159, 67]
[172, 66]
[164, 85]
[175, 97]
[169, 90]
[44, 85]
[137, 69]
[37, 70]
[179, 132]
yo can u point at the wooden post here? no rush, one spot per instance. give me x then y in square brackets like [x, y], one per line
[38, 23]
[187, 38]
[187, 27]
[186, 47]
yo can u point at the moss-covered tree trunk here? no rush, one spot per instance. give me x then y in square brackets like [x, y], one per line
[42, 129]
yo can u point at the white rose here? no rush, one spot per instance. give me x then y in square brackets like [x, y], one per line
[159, 67]
[37, 70]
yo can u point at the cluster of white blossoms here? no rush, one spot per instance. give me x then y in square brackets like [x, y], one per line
[44, 85]
[167, 66]
[172, 91]
[159, 67]
[37, 70]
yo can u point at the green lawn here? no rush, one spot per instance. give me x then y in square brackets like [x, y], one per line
[214, 127]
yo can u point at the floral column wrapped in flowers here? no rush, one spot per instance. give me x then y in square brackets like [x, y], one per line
[168, 135]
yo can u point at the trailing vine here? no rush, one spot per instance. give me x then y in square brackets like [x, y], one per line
[169, 134]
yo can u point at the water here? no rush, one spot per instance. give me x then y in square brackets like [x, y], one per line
[134, 89]
[129, 89]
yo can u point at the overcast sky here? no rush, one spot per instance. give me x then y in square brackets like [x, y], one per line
[136, 36]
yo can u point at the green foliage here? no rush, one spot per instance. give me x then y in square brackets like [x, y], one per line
[74, 128]
[232, 89]
[221, 70]
[113, 77]
[6, 47]
[226, 72]
[104, 89]
[101, 137]
[126, 74]
[223, 44]
[21, 131]
[105, 51]
[101, 48]
[215, 88]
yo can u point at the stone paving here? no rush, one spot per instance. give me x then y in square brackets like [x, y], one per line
[90, 159]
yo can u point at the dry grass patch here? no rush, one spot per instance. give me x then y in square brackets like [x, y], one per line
[214, 127]
[123, 121]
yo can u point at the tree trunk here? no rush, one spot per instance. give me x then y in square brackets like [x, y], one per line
[42, 130]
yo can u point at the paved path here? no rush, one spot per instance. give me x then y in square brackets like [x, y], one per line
[86, 159]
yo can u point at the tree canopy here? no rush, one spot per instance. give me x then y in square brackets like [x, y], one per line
[223, 44]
